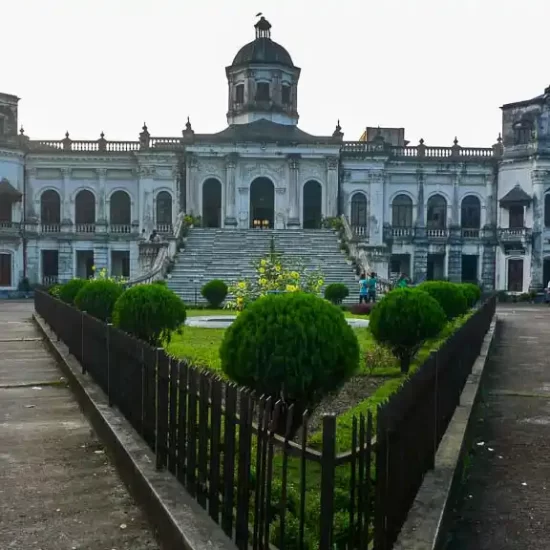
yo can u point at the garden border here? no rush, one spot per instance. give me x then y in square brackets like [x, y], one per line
[179, 521]
[426, 523]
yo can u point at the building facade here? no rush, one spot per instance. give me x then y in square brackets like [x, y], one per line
[475, 214]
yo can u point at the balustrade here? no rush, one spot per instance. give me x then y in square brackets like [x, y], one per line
[360, 230]
[164, 228]
[402, 232]
[50, 228]
[120, 228]
[468, 233]
[439, 233]
[85, 228]
[50, 280]
[9, 226]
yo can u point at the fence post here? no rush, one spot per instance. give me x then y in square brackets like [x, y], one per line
[83, 363]
[328, 466]
[109, 375]
[162, 388]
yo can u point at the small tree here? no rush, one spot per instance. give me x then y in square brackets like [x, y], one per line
[404, 320]
[450, 297]
[214, 292]
[98, 298]
[69, 290]
[149, 312]
[336, 293]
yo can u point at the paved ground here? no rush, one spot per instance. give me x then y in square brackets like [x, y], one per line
[223, 321]
[57, 488]
[505, 503]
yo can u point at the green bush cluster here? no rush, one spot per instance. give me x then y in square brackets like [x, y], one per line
[294, 345]
[149, 312]
[214, 292]
[68, 291]
[98, 297]
[450, 296]
[472, 293]
[336, 293]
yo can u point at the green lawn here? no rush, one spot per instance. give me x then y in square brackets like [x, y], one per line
[221, 312]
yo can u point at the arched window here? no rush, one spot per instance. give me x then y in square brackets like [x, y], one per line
[359, 213]
[164, 210]
[547, 210]
[120, 211]
[84, 206]
[402, 211]
[50, 208]
[437, 212]
[312, 205]
[470, 213]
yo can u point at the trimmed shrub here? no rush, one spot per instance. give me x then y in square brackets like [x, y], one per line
[149, 312]
[378, 357]
[296, 346]
[450, 297]
[472, 293]
[68, 291]
[161, 282]
[404, 320]
[98, 298]
[336, 293]
[214, 292]
[362, 309]
[54, 291]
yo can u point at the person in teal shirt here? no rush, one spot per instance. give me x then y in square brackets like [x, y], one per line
[402, 282]
[363, 289]
[371, 285]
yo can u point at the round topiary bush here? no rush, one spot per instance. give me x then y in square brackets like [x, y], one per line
[296, 346]
[336, 293]
[214, 292]
[472, 293]
[69, 290]
[149, 312]
[98, 298]
[404, 320]
[450, 297]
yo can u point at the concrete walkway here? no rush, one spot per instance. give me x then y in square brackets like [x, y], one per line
[58, 490]
[505, 501]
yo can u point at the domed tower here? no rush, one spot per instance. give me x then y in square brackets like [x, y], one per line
[263, 82]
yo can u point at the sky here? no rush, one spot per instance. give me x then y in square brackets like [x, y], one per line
[438, 68]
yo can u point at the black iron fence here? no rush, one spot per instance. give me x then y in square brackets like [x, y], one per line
[224, 445]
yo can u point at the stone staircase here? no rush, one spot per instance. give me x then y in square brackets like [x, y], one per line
[227, 254]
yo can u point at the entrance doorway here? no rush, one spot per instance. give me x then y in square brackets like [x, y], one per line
[400, 263]
[212, 203]
[120, 263]
[5, 269]
[469, 268]
[546, 272]
[84, 264]
[436, 267]
[312, 213]
[50, 267]
[515, 275]
[262, 204]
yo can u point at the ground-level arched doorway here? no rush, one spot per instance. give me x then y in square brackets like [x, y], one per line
[312, 204]
[212, 203]
[262, 203]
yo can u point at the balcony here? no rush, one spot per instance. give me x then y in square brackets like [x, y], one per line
[164, 228]
[401, 232]
[120, 228]
[508, 235]
[50, 228]
[469, 233]
[9, 227]
[360, 231]
[50, 280]
[86, 228]
[438, 234]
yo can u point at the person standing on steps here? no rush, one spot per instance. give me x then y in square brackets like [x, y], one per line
[371, 285]
[363, 289]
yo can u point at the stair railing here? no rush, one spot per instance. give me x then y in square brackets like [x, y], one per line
[360, 256]
[165, 256]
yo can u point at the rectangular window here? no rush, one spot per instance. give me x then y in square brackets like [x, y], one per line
[262, 91]
[515, 275]
[50, 263]
[286, 95]
[2, 125]
[5, 269]
[239, 94]
[5, 210]
[516, 217]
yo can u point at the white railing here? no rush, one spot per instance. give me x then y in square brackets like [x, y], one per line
[120, 228]
[437, 233]
[85, 227]
[471, 233]
[164, 228]
[49, 280]
[402, 232]
[50, 228]
[360, 230]
[9, 226]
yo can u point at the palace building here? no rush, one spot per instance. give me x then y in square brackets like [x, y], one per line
[462, 213]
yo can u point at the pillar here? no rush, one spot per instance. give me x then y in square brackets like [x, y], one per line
[294, 192]
[376, 209]
[420, 267]
[490, 242]
[102, 214]
[331, 188]
[538, 178]
[230, 198]
[192, 169]
[454, 261]
[66, 203]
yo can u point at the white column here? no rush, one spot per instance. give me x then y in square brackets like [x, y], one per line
[294, 192]
[66, 199]
[32, 203]
[330, 194]
[376, 208]
[192, 184]
[103, 216]
[230, 207]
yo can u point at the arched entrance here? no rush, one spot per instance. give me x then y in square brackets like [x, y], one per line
[262, 203]
[212, 203]
[312, 202]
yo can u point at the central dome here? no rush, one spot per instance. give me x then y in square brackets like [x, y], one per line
[263, 50]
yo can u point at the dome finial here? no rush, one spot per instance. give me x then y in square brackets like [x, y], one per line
[263, 27]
